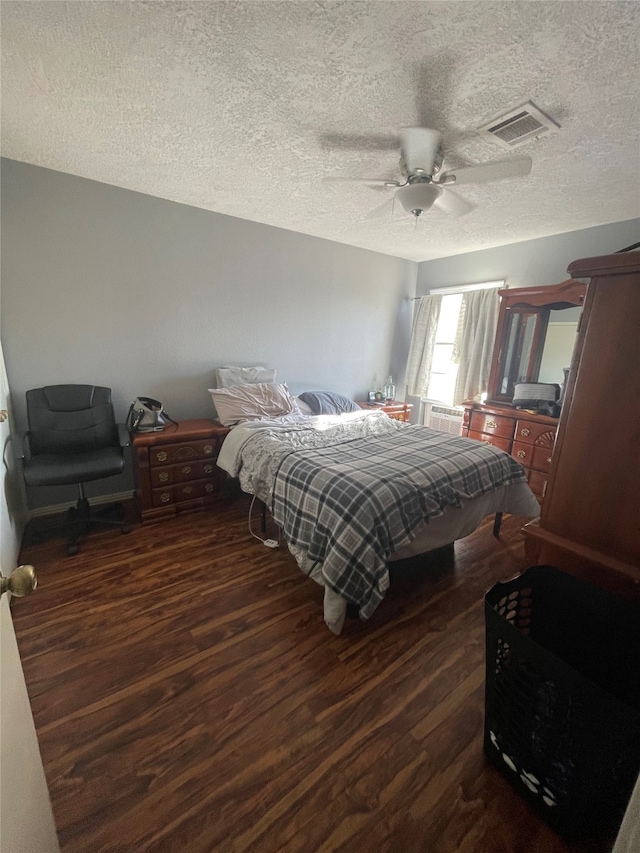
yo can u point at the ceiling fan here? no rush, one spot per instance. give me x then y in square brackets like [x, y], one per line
[424, 185]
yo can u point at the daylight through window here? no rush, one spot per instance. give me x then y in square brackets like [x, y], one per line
[442, 378]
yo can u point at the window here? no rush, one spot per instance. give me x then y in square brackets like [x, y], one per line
[444, 371]
[463, 321]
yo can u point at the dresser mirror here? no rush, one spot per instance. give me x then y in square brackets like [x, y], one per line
[536, 332]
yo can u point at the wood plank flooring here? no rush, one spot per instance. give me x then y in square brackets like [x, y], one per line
[188, 697]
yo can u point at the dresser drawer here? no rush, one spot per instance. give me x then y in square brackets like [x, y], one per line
[494, 440]
[531, 433]
[172, 453]
[532, 457]
[168, 475]
[537, 483]
[541, 458]
[492, 424]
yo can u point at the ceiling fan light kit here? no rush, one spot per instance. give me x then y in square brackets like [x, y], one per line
[418, 197]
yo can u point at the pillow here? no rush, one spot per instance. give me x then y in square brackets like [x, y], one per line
[252, 402]
[305, 408]
[227, 376]
[328, 403]
[528, 395]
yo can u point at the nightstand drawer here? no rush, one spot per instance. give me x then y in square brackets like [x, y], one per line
[397, 411]
[403, 415]
[172, 453]
[185, 492]
[161, 477]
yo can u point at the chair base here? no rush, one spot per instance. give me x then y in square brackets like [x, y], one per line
[82, 520]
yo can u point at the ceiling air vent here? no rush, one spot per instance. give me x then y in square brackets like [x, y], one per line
[519, 125]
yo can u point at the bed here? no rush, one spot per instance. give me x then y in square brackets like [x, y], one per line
[356, 490]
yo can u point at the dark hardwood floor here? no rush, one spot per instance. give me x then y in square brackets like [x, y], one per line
[189, 697]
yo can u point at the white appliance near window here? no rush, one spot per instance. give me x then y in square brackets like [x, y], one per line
[443, 418]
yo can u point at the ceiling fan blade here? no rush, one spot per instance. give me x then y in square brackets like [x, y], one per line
[371, 182]
[452, 204]
[490, 171]
[382, 211]
[359, 142]
[419, 148]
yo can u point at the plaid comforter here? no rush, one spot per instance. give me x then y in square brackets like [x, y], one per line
[352, 505]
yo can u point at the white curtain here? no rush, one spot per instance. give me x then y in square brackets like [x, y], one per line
[423, 336]
[474, 343]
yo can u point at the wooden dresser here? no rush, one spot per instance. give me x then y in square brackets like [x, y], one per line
[397, 411]
[176, 469]
[528, 437]
[590, 520]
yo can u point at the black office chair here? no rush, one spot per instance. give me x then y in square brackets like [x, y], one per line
[73, 438]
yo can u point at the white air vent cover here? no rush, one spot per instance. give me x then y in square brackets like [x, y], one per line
[519, 125]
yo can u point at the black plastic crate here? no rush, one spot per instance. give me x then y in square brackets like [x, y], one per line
[562, 700]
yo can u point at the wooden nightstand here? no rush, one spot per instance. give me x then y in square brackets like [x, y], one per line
[176, 469]
[397, 411]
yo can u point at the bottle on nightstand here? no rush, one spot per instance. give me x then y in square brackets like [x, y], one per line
[389, 390]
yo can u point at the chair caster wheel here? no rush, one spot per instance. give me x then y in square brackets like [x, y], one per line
[72, 549]
[126, 528]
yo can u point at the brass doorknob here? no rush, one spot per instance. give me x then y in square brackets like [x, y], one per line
[4, 414]
[22, 581]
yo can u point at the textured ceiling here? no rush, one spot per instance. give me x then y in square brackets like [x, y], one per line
[245, 107]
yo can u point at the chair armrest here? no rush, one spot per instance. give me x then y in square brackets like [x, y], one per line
[21, 448]
[123, 435]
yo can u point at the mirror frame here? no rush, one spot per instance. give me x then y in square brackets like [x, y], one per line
[539, 301]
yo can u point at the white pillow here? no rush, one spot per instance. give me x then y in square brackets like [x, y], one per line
[227, 376]
[252, 402]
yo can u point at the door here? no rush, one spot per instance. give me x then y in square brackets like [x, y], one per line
[26, 819]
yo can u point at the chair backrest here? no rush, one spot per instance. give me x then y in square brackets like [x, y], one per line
[70, 419]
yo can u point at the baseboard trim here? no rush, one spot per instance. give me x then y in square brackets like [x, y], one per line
[56, 509]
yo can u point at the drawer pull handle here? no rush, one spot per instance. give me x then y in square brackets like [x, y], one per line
[208, 487]
[162, 456]
[208, 469]
[524, 431]
[165, 497]
[208, 449]
[186, 469]
[492, 425]
[549, 461]
[521, 454]
[187, 490]
[163, 477]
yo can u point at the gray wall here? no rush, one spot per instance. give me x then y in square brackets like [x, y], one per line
[531, 262]
[111, 287]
